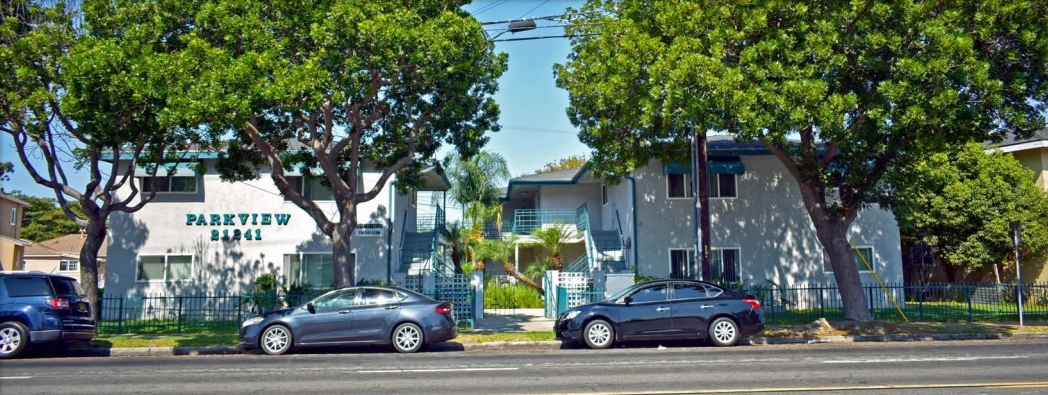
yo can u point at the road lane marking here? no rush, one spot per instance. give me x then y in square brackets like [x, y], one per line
[896, 360]
[835, 388]
[16, 378]
[436, 370]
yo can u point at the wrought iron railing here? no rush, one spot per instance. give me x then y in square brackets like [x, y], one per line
[527, 220]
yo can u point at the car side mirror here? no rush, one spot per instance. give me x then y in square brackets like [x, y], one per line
[628, 300]
[312, 309]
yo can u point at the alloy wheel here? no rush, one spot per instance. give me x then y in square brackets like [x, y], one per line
[276, 340]
[598, 334]
[724, 332]
[407, 338]
[10, 339]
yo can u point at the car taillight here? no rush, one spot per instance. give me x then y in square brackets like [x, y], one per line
[444, 309]
[752, 301]
[57, 303]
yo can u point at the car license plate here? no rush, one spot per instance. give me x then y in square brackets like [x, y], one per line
[81, 306]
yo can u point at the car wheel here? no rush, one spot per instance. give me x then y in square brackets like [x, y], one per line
[13, 339]
[407, 338]
[276, 340]
[724, 332]
[598, 334]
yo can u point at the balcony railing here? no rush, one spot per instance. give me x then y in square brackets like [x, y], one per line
[527, 220]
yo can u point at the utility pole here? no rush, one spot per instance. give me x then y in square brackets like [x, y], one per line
[700, 177]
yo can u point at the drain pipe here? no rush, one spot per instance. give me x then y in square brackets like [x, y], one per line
[389, 236]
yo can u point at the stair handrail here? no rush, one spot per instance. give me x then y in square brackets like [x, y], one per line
[583, 224]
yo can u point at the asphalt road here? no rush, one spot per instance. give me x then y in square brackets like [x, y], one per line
[956, 367]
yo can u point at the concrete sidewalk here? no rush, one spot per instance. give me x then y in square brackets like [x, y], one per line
[513, 320]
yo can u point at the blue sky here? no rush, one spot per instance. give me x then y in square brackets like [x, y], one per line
[535, 127]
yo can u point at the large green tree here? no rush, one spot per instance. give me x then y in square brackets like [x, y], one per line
[838, 91]
[44, 219]
[475, 183]
[94, 88]
[961, 203]
[329, 86]
[568, 163]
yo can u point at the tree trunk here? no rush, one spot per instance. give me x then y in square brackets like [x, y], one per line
[95, 236]
[833, 234]
[520, 277]
[557, 261]
[342, 267]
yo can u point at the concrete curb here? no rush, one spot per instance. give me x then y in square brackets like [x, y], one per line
[556, 345]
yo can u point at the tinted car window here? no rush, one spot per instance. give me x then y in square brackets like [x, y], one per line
[655, 293]
[66, 286]
[336, 300]
[27, 286]
[689, 291]
[372, 296]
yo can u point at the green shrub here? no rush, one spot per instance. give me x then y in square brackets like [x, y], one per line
[510, 296]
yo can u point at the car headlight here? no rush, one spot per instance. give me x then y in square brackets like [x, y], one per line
[572, 314]
[251, 321]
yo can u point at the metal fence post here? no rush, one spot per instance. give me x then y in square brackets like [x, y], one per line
[920, 302]
[120, 317]
[970, 314]
[179, 330]
[822, 302]
[240, 308]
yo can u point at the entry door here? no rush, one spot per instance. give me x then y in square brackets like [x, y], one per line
[648, 313]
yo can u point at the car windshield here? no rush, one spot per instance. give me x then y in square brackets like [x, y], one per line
[621, 293]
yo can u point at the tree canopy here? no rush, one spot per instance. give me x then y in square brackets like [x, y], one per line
[327, 87]
[838, 91]
[96, 87]
[568, 163]
[961, 204]
[44, 219]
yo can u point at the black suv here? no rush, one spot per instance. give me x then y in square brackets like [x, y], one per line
[41, 308]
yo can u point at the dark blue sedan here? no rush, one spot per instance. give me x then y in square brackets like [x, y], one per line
[354, 316]
[664, 310]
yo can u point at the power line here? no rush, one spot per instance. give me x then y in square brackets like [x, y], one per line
[533, 9]
[540, 38]
[490, 7]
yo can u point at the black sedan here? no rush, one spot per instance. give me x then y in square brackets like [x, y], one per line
[354, 316]
[664, 310]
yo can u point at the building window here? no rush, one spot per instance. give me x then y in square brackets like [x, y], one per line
[678, 186]
[725, 264]
[863, 256]
[69, 266]
[682, 261]
[312, 269]
[169, 184]
[313, 188]
[723, 186]
[14, 216]
[604, 194]
[164, 267]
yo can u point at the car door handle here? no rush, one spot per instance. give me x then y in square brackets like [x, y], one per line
[344, 312]
[706, 306]
[660, 309]
[391, 307]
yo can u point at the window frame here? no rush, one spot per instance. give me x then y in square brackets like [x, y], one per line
[196, 185]
[76, 264]
[604, 194]
[689, 257]
[14, 216]
[717, 192]
[167, 266]
[689, 189]
[297, 277]
[720, 253]
[828, 269]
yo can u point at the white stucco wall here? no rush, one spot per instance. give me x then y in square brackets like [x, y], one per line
[620, 203]
[767, 223]
[571, 196]
[232, 266]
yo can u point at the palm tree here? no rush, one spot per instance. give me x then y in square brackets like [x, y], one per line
[459, 238]
[475, 186]
[552, 238]
[500, 250]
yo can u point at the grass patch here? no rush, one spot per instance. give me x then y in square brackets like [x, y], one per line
[511, 296]
[138, 341]
[473, 338]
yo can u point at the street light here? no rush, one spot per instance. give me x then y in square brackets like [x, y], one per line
[516, 26]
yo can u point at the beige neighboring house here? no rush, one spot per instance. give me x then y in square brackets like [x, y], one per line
[12, 246]
[61, 255]
[1032, 153]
